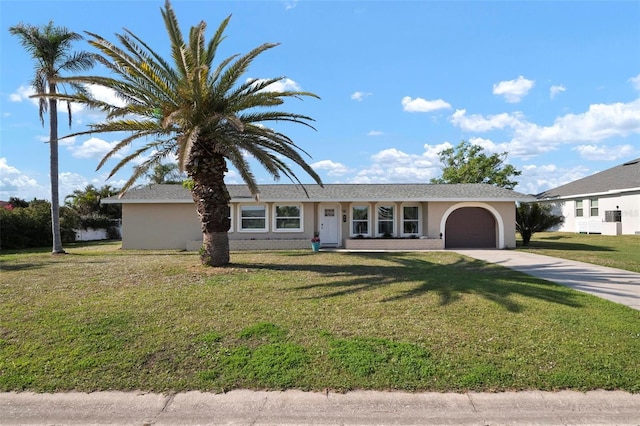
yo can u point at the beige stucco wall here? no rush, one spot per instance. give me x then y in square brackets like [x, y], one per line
[503, 212]
[176, 226]
[159, 226]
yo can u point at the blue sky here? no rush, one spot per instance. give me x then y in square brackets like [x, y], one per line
[554, 84]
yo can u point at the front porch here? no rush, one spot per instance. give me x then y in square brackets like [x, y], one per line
[381, 244]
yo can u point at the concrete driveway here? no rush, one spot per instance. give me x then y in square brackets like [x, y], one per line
[608, 283]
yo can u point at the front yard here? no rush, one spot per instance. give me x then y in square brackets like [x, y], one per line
[102, 318]
[619, 251]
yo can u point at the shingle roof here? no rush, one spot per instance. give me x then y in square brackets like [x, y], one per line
[333, 192]
[623, 176]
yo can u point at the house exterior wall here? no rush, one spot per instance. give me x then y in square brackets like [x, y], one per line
[309, 223]
[628, 204]
[503, 212]
[176, 226]
[159, 226]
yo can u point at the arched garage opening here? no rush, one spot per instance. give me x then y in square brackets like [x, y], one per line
[470, 227]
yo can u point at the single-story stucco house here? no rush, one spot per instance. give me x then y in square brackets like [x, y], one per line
[352, 216]
[606, 203]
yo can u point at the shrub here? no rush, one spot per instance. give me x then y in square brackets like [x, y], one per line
[26, 227]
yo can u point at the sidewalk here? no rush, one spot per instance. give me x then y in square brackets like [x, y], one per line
[244, 407]
[612, 284]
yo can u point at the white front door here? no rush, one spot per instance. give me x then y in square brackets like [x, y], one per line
[329, 219]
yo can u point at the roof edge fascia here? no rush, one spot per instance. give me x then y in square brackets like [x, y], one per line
[591, 194]
[325, 200]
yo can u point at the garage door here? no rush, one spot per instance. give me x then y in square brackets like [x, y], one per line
[470, 227]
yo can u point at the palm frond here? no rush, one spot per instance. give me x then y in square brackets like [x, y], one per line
[175, 36]
[232, 73]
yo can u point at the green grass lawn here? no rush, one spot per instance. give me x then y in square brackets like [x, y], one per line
[620, 251]
[102, 318]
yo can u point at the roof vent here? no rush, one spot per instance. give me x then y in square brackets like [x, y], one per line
[628, 163]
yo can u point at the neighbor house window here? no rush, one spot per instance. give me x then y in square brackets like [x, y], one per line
[579, 210]
[288, 218]
[410, 220]
[385, 220]
[253, 218]
[594, 207]
[360, 220]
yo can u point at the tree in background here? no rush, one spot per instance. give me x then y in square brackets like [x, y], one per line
[87, 202]
[166, 173]
[28, 224]
[535, 217]
[204, 113]
[18, 202]
[467, 163]
[50, 47]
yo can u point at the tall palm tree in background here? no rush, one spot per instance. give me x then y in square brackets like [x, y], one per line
[87, 201]
[50, 47]
[165, 173]
[198, 111]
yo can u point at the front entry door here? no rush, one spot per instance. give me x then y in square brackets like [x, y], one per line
[329, 215]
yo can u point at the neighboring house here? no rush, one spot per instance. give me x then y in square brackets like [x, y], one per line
[604, 203]
[410, 216]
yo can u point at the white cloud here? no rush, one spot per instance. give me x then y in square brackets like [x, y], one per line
[598, 123]
[554, 90]
[93, 148]
[284, 85]
[14, 183]
[359, 96]
[423, 105]
[538, 178]
[488, 145]
[513, 90]
[332, 168]
[290, 4]
[375, 133]
[22, 93]
[604, 152]
[105, 94]
[394, 166]
[478, 123]
[635, 82]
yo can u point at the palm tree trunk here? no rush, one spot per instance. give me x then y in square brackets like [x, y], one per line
[212, 203]
[53, 166]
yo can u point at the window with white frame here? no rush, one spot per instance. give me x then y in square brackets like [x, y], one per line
[253, 218]
[385, 216]
[410, 220]
[230, 216]
[579, 209]
[593, 211]
[360, 220]
[287, 217]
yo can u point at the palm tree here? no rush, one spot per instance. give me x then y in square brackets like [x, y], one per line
[50, 47]
[198, 111]
[165, 173]
[84, 201]
[87, 202]
[535, 217]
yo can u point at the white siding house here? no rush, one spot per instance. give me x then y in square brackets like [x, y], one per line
[606, 203]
